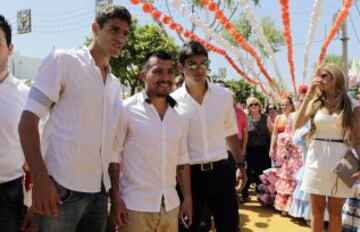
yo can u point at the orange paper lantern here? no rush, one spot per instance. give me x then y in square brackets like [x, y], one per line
[228, 26]
[135, 2]
[204, 2]
[187, 34]
[212, 6]
[156, 14]
[173, 26]
[180, 29]
[223, 20]
[147, 7]
[166, 19]
[218, 14]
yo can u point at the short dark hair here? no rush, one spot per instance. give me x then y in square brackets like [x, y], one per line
[162, 55]
[190, 49]
[110, 11]
[5, 26]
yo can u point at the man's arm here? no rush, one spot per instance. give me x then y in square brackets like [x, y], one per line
[118, 212]
[45, 198]
[239, 157]
[183, 172]
[245, 137]
[234, 146]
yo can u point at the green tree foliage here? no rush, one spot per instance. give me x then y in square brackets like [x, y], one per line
[242, 90]
[272, 34]
[333, 58]
[142, 41]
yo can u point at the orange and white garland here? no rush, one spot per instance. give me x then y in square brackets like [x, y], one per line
[314, 21]
[213, 7]
[147, 7]
[193, 18]
[340, 18]
[259, 34]
[287, 35]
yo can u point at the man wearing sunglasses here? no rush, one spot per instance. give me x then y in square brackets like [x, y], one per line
[213, 128]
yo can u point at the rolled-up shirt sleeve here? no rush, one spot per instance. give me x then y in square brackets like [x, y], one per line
[48, 84]
[183, 153]
[230, 117]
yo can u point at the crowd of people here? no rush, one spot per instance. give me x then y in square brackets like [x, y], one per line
[177, 153]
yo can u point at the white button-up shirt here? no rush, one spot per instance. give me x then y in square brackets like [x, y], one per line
[152, 149]
[210, 123]
[78, 137]
[13, 95]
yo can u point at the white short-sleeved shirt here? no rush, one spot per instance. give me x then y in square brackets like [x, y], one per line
[152, 149]
[210, 123]
[13, 95]
[78, 137]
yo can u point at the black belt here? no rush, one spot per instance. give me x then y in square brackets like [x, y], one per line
[209, 166]
[11, 183]
[330, 140]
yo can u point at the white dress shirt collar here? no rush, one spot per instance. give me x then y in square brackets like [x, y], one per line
[145, 98]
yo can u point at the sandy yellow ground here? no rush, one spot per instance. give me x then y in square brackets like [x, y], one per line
[256, 218]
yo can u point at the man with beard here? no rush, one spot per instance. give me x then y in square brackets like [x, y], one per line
[13, 95]
[81, 96]
[209, 108]
[154, 146]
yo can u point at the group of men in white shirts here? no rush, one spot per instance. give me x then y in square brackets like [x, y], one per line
[155, 136]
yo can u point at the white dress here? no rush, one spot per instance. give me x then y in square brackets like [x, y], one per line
[323, 157]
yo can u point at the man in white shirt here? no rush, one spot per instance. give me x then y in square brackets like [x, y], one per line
[209, 108]
[81, 96]
[154, 146]
[12, 100]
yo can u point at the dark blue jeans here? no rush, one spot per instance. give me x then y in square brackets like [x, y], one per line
[79, 212]
[11, 205]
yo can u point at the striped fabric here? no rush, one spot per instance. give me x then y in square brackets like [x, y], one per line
[351, 212]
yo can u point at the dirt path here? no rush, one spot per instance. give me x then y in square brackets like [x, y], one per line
[256, 218]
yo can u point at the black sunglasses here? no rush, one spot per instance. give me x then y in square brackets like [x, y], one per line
[253, 104]
[204, 65]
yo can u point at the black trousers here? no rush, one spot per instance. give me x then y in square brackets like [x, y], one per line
[11, 205]
[258, 160]
[216, 188]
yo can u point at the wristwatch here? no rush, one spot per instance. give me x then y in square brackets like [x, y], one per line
[242, 164]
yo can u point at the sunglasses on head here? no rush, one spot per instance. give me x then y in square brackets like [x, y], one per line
[254, 104]
[193, 65]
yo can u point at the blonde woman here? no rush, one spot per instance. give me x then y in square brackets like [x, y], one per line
[257, 146]
[333, 123]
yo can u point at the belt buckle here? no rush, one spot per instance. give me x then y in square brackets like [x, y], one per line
[206, 167]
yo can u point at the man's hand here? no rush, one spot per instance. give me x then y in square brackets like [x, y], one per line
[241, 179]
[118, 212]
[30, 222]
[356, 176]
[186, 210]
[45, 197]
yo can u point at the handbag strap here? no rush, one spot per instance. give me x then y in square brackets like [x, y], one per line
[335, 186]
